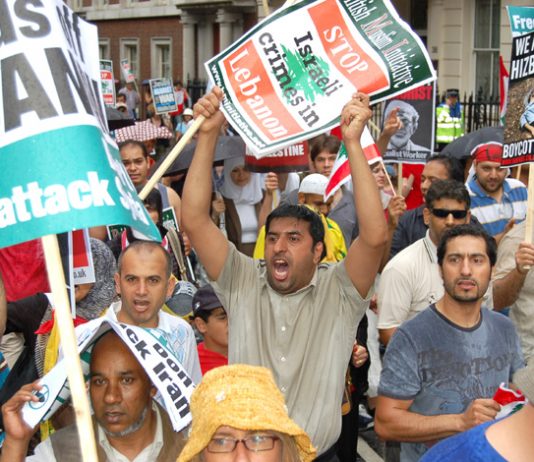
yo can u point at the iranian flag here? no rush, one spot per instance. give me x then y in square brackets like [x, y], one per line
[341, 171]
[503, 89]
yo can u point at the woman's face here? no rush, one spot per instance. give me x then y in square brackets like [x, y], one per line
[226, 438]
[380, 175]
[240, 176]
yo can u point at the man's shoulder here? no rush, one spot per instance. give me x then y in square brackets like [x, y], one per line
[169, 321]
[497, 319]
[411, 216]
[516, 186]
[405, 258]
[420, 322]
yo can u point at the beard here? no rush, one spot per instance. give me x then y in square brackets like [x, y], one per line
[131, 429]
[461, 296]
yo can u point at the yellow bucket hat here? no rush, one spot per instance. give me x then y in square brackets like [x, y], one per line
[244, 397]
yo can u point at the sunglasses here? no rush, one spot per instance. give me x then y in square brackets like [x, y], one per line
[444, 213]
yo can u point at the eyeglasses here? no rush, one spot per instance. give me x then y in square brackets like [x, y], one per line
[444, 213]
[255, 443]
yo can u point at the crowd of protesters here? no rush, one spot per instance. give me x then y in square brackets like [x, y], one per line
[362, 310]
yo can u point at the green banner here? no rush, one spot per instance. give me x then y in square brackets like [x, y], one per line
[61, 170]
[51, 188]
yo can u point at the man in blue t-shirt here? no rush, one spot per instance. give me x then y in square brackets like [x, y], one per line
[442, 368]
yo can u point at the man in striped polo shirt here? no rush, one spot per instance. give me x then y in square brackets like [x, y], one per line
[498, 202]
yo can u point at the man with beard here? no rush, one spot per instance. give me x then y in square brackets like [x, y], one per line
[288, 312]
[442, 368]
[496, 201]
[128, 424]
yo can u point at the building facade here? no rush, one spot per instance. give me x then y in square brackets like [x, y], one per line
[173, 38]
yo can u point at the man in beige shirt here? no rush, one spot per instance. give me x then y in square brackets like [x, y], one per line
[288, 312]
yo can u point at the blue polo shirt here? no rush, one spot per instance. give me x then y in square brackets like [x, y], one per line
[493, 215]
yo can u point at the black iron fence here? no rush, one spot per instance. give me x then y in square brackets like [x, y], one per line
[196, 89]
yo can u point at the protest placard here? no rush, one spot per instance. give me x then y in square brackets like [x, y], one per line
[414, 141]
[518, 147]
[292, 158]
[521, 19]
[163, 97]
[61, 168]
[287, 79]
[81, 257]
[107, 82]
[126, 70]
[151, 350]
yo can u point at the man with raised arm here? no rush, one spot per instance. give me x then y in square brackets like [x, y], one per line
[288, 312]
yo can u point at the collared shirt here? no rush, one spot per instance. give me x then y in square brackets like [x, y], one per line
[304, 338]
[495, 215]
[180, 339]
[45, 453]
[409, 283]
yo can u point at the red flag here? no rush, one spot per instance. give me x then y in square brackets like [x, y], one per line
[503, 89]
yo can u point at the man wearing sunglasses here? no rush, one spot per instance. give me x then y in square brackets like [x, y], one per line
[411, 281]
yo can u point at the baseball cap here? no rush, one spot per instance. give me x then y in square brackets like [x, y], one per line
[205, 300]
[188, 111]
[313, 184]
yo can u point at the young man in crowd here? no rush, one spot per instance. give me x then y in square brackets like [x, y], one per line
[276, 307]
[442, 368]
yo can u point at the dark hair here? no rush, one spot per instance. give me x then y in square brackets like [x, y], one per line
[453, 166]
[153, 200]
[447, 189]
[300, 212]
[203, 314]
[148, 245]
[134, 143]
[328, 143]
[467, 230]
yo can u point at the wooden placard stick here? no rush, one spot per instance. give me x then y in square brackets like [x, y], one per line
[399, 179]
[530, 204]
[69, 344]
[173, 154]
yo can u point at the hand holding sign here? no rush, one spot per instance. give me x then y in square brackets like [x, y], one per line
[208, 107]
[17, 430]
[354, 117]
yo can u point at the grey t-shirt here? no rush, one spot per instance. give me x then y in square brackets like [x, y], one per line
[443, 367]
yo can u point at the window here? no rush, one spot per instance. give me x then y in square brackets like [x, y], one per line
[161, 65]
[130, 51]
[486, 48]
[103, 49]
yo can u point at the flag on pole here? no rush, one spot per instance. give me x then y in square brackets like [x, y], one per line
[341, 170]
[503, 89]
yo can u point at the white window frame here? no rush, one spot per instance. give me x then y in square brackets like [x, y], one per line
[156, 65]
[494, 54]
[104, 48]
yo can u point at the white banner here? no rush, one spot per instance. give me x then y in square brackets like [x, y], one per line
[150, 349]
